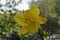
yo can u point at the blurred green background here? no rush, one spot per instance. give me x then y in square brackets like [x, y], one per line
[49, 9]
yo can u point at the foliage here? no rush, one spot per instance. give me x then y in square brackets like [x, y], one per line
[7, 24]
[50, 9]
[57, 8]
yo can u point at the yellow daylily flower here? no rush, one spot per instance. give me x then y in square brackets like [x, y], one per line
[30, 20]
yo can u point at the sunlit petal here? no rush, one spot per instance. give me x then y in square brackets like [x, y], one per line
[34, 29]
[19, 18]
[42, 20]
[23, 30]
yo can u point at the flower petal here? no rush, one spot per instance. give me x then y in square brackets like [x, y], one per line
[34, 11]
[23, 30]
[34, 29]
[42, 20]
[19, 18]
